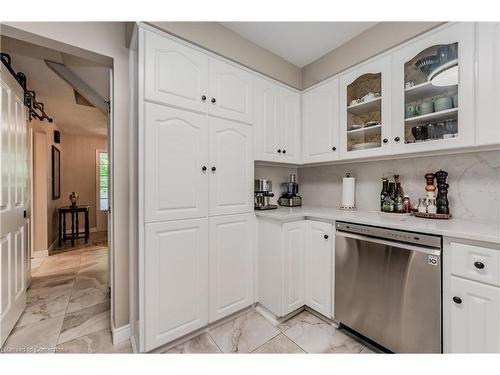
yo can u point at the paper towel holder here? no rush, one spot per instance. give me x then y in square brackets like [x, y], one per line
[348, 206]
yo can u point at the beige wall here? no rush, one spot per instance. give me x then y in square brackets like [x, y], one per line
[369, 43]
[88, 40]
[78, 171]
[219, 39]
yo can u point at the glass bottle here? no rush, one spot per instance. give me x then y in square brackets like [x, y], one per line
[384, 193]
[431, 206]
[422, 205]
[406, 204]
[398, 195]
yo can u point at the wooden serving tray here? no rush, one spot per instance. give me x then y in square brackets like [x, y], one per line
[432, 216]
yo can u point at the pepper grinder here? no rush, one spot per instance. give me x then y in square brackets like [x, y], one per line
[430, 188]
[443, 206]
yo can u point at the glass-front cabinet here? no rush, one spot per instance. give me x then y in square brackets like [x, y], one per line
[433, 88]
[365, 99]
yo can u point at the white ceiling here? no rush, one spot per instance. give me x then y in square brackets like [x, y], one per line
[299, 42]
[57, 95]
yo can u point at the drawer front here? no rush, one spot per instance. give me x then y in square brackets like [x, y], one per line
[475, 263]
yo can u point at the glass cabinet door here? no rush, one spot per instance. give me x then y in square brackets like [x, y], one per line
[431, 90]
[365, 98]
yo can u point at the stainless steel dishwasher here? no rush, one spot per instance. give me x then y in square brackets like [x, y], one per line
[388, 286]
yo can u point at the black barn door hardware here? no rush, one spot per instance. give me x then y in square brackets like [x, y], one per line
[36, 109]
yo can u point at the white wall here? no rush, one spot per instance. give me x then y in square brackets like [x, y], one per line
[474, 180]
[104, 41]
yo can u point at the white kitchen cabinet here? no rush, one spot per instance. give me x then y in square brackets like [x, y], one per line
[280, 265]
[488, 83]
[232, 244]
[277, 123]
[231, 167]
[474, 317]
[319, 266]
[365, 110]
[176, 152]
[176, 280]
[174, 74]
[293, 266]
[320, 123]
[231, 92]
[429, 115]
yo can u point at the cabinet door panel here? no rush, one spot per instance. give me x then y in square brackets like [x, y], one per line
[293, 265]
[231, 264]
[176, 149]
[231, 88]
[488, 83]
[267, 121]
[474, 323]
[289, 125]
[320, 113]
[174, 74]
[176, 281]
[319, 267]
[415, 107]
[231, 187]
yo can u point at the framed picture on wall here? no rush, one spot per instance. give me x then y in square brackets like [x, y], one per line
[56, 173]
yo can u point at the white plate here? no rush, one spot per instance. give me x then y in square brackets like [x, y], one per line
[364, 146]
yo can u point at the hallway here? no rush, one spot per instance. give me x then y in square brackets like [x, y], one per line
[68, 303]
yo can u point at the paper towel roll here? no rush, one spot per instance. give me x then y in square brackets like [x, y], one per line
[348, 192]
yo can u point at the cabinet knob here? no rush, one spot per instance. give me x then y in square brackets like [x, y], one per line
[204, 168]
[397, 139]
[326, 236]
[213, 100]
[334, 148]
[214, 169]
[279, 151]
[203, 98]
[479, 265]
[284, 151]
[385, 140]
[457, 300]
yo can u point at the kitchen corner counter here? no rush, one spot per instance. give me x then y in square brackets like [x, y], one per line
[457, 228]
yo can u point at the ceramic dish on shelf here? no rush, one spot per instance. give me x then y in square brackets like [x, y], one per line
[427, 64]
[364, 146]
[371, 123]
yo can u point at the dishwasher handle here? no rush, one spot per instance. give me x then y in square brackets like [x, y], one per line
[401, 245]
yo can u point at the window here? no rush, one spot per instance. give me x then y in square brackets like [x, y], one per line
[102, 159]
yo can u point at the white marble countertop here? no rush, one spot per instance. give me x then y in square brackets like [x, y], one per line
[458, 228]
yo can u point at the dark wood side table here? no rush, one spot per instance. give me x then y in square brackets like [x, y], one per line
[75, 230]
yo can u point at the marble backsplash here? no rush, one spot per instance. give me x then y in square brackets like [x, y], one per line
[474, 180]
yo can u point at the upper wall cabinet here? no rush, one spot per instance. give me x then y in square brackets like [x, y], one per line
[365, 110]
[277, 123]
[174, 74]
[433, 87]
[488, 83]
[231, 91]
[320, 123]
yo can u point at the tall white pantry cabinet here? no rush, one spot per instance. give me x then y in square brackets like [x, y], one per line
[197, 227]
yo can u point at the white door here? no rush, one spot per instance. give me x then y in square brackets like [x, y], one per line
[14, 180]
[230, 168]
[293, 265]
[365, 110]
[267, 129]
[231, 91]
[474, 325]
[174, 74]
[320, 114]
[319, 266]
[289, 120]
[176, 281]
[488, 83]
[231, 264]
[176, 164]
[410, 126]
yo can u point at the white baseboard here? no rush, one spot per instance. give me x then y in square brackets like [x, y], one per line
[40, 254]
[121, 334]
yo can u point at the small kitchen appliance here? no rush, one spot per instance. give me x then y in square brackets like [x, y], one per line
[289, 193]
[262, 194]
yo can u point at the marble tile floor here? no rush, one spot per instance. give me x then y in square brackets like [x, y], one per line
[68, 304]
[252, 333]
